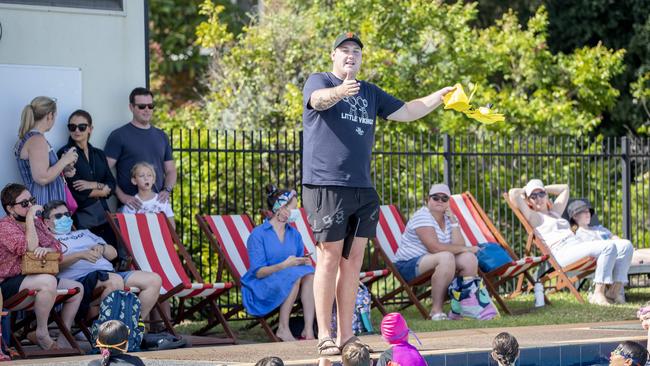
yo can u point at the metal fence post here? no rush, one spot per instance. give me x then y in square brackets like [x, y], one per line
[627, 181]
[447, 146]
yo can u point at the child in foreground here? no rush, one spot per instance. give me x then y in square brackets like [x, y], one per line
[143, 175]
[353, 354]
[505, 349]
[113, 341]
[401, 353]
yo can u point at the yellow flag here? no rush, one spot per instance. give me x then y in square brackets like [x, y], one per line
[458, 101]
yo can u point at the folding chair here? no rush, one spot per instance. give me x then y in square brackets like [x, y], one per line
[366, 277]
[228, 235]
[389, 233]
[477, 228]
[152, 243]
[565, 277]
[24, 301]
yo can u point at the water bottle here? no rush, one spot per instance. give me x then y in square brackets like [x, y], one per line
[539, 294]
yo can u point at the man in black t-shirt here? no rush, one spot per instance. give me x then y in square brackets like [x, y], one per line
[339, 128]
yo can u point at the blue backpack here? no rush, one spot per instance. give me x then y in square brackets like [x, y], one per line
[361, 322]
[125, 307]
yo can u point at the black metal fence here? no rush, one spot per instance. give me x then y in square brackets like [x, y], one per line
[226, 171]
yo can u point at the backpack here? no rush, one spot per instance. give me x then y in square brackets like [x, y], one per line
[125, 307]
[361, 322]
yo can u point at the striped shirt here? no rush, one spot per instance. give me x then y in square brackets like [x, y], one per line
[411, 246]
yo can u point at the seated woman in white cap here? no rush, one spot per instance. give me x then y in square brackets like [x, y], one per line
[546, 218]
[432, 240]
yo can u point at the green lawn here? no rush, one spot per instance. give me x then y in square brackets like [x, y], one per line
[565, 309]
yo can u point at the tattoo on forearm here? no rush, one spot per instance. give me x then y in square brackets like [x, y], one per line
[326, 99]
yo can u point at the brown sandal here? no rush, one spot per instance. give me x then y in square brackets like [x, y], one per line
[327, 347]
[355, 340]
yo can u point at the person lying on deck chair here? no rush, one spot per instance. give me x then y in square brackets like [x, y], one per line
[545, 216]
[87, 260]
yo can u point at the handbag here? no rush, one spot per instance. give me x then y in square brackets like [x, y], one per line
[49, 264]
[69, 199]
[91, 216]
[492, 256]
[468, 298]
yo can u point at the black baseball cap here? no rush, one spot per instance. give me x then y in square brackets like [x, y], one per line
[347, 36]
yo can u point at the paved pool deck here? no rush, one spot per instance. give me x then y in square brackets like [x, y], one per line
[433, 343]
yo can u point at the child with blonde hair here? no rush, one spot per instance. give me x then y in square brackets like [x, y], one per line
[143, 175]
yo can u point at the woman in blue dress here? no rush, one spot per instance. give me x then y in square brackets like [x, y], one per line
[279, 267]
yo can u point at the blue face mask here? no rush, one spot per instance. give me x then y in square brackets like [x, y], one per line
[63, 225]
[293, 216]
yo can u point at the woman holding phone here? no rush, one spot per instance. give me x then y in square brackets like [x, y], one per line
[279, 267]
[41, 170]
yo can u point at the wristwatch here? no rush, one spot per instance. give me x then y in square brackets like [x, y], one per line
[168, 189]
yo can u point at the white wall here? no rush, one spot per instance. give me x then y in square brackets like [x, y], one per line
[107, 46]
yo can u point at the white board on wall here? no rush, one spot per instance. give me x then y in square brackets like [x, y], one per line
[19, 84]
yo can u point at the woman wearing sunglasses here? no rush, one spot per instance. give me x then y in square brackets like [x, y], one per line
[93, 181]
[39, 166]
[22, 231]
[432, 241]
[545, 216]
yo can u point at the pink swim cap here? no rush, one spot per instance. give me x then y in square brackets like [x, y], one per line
[394, 328]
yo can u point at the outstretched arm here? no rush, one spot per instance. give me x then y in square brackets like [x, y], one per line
[420, 107]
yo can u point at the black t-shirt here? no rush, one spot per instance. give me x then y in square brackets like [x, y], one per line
[337, 142]
[93, 169]
[120, 360]
[130, 145]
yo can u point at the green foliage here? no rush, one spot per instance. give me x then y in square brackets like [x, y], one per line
[641, 93]
[412, 49]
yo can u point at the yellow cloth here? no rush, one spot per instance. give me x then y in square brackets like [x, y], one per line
[458, 101]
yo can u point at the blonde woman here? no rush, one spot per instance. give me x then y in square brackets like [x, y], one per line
[545, 217]
[39, 167]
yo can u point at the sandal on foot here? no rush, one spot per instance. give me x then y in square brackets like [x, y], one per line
[439, 316]
[356, 340]
[327, 347]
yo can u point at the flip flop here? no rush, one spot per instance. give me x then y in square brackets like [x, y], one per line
[327, 347]
[356, 340]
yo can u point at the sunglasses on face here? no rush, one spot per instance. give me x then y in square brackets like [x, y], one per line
[618, 352]
[60, 215]
[82, 127]
[143, 106]
[26, 203]
[536, 195]
[439, 197]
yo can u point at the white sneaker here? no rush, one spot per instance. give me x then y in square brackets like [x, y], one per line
[438, 317]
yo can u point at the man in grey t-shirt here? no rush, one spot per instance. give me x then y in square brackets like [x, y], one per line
[139, 141]
[339, 124]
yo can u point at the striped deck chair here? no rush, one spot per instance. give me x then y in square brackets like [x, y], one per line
[561, 277]
[366, 277]
[477, 228]
[389, 233]
[24, 301]
[228, 235]
[153, 245]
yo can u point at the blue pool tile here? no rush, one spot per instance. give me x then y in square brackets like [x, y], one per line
[435, 360]
[458, 359]
[550, 356]
[529, 357]
[570, 355]
[478, 359]
[590, 354]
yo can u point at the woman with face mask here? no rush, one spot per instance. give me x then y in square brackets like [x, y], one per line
[22, 231]
[279, 267]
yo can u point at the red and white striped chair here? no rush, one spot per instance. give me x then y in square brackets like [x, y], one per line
[389, 233]
[24, 301]
[366, 277]
[153, 245]
[477, 228]
[228, 235]
[559, 277]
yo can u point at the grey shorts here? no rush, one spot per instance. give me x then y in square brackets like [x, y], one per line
[336, 213]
